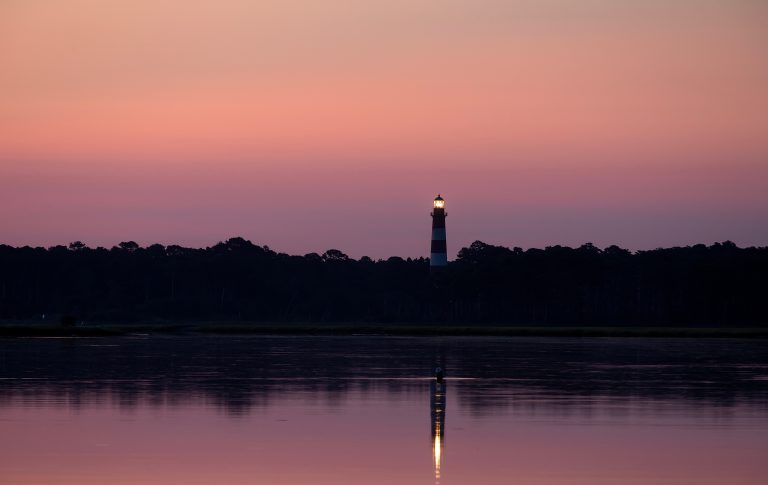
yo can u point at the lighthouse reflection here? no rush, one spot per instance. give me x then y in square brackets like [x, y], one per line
[437, 411]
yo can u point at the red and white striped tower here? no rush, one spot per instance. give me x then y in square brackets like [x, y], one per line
[438, 258]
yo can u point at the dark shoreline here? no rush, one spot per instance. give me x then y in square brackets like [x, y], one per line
[414, 330]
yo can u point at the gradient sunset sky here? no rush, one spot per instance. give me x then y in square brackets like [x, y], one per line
[307, 125]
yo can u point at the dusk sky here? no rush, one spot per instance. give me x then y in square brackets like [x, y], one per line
[308, 125]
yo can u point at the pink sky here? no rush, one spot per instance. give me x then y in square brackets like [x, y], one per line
[307, 125]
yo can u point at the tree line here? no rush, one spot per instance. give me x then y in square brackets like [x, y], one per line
[236, 280]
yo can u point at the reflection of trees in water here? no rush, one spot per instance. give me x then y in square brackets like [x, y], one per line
[525, 376]
[234, 396]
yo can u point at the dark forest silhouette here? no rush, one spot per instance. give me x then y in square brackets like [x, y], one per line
[719, 285]
[241, 374]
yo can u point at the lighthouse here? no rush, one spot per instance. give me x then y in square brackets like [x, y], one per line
[438, 258]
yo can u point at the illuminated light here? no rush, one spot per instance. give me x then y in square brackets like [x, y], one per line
[437, 449]
[439, 202]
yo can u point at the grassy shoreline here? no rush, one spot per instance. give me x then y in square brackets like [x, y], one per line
[415, 330]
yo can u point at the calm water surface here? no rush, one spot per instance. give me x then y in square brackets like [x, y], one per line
[364, 410]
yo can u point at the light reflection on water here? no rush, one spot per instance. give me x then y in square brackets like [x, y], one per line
[356, 410]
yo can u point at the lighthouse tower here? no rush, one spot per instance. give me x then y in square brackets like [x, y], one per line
[438, 258]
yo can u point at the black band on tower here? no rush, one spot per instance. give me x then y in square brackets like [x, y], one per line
[439, 246]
